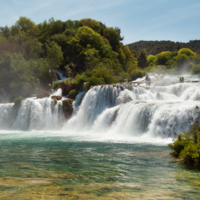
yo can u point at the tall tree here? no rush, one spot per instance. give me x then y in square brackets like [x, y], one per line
[142, 59]
[55, 56]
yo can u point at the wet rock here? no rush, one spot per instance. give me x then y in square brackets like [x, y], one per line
[56, 97]
[67, 107]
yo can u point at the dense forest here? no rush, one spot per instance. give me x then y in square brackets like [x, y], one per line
[89, 52]
[155, 47]
[30, 53]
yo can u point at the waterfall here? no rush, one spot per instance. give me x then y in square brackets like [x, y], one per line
[33, 114]
[77, 102]
[156, 110]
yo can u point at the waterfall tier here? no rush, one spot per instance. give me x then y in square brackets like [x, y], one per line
[33, 114]
[158, 111]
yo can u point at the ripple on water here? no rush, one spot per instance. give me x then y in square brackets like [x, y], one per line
[36, 168]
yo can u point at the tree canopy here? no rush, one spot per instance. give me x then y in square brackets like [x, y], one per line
[85, 49]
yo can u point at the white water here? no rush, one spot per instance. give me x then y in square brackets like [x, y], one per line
[57, 93]
[33, 114]
[147, 113]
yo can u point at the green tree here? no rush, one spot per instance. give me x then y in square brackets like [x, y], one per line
[24, 24]
[16, 77]
[187, 146]
[150, 60]
[55, 56]
[186, 52]
[162, 58]
[142, 59]
[195, 69]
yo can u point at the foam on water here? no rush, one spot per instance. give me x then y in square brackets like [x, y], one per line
[112, 112]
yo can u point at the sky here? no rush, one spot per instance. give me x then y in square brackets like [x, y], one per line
[175, 20]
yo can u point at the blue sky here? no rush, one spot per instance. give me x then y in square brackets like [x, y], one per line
[175, 20]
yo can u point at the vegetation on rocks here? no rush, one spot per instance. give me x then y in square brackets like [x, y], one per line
[72, 94]
[17, 101]
[67, 107]
[187, 146]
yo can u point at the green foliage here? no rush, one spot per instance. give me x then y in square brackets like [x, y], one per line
[171, 62]
[24, 24]
[54, 54]
[17, 101]
[80, 79]
[195, 69]
[93, 81]
[142, 59]
[32, 48]
[181, 79]
[187, 52]
[137, 74]
[187, 146]
[150, 60]
[156, 47]
[72, 94]
[99, 76]
[123, 76]
[16, 76]
[69, 68]
[86, 49]
[55, 85]
[41, 68]
[163, 58]
[183, 63]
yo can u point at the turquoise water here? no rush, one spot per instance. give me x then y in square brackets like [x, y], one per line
[60, 167]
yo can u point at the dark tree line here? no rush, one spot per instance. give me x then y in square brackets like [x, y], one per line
[155, 47]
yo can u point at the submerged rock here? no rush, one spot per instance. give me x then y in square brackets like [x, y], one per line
[67, 107]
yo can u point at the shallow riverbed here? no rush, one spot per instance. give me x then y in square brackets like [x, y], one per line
[43, 166]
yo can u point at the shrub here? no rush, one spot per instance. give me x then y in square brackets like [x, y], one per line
[137, 74]
[93, 81]
[99, 76]
[72, 94]
[55, 85]
[79, 80]
[17, 101]
[187, 146]
[195, 69]
[181, 79]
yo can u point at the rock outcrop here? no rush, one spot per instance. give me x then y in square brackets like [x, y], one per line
[66, 88]
[67, 107]
[56, 97]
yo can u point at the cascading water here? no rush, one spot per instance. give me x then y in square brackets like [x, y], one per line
[119, 131]
[33, 114]
[156, 111]
[122, 109]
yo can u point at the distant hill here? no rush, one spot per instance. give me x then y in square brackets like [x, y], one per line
[155, 47]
